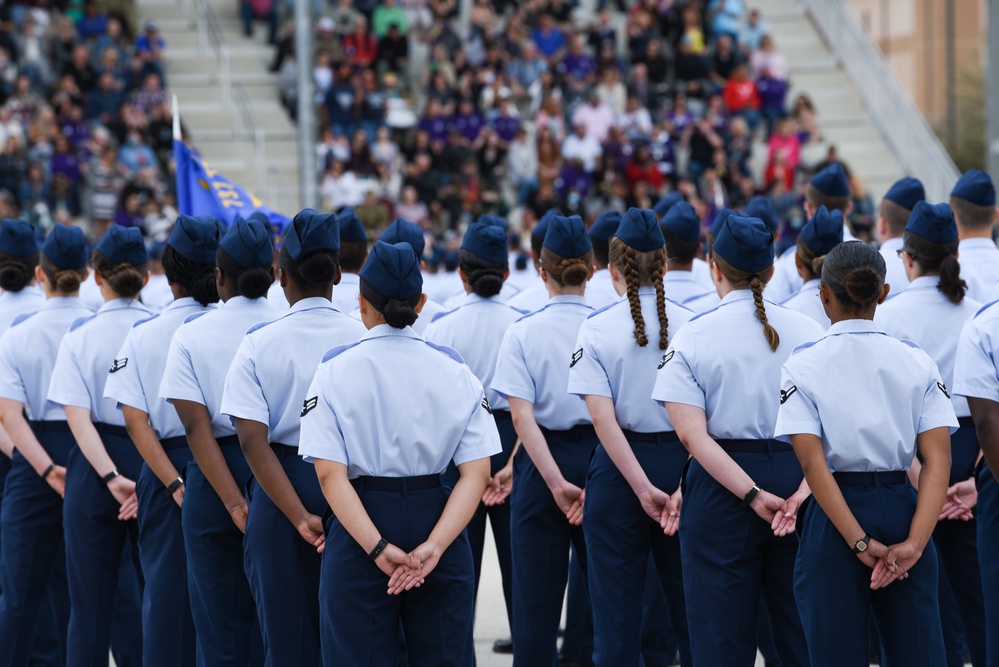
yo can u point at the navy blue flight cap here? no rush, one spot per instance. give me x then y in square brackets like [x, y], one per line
[66, 247]
[823, 232]
[351, 228]
[720, 219]
[311, 232]
[745, 243]
[248, 243]
[17, 238]
[541, 229]
[567, 237]
[605, 225]
[760, 207]
[832, 181]
[404, 231]
[933, 222]
[393, 270]
[975, 187]
[682, 222]
[196, 238]
[156, 249]
[487, 242]
[493, 220]
[663, 206]
[123, 245]
[906, 192]
[640, 230]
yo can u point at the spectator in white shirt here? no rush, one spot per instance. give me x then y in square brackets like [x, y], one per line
[522, 165]
[581, 145]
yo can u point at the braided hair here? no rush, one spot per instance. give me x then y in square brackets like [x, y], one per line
[568, 272]
[642, 269]
[754, 282]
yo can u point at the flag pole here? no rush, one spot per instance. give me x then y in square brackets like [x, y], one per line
[176, 120]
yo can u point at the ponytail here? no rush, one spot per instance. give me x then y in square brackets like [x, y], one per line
[938, 258]
[642, 269]
[951, 285]
[754, 282]
[398, 313]
[125, 280]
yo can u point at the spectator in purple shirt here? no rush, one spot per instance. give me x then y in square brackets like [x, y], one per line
[468, 122]
[435, 123]
[578, 65]
[574, 184]
[64, 160]
[773, 93]
[505, 124]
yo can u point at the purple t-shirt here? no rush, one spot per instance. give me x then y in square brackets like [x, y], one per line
[577, 66]
[772, 93]
[506, 127]
[435, 127]
[470, 126]
[66, 164]
[681, 120]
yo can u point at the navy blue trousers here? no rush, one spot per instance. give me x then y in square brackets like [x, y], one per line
[35, 597]
[95, 543]
[167, 624]
[577, 642]
[731, 556]
[540, 536]
[620, 536]
[360, 621]
[988, 547]
[225, 618]
[283, 569]
[833, 590]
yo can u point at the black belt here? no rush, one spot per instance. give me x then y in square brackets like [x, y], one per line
[177, 442]
[768, 446]
[228, 441]
[502, 415]
[871, 478]
[111, 429]
[966, 422]
[283, 451]
[577, 431]
[49, 426]
[420, 483]
[663, 436]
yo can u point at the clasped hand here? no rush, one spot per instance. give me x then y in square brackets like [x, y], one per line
[408, 571]
[781, 514]
[889, 562]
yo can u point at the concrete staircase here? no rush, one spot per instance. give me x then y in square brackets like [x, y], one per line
[221, 129]
[841, 116]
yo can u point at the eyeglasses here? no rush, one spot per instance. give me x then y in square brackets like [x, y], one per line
[899, 252]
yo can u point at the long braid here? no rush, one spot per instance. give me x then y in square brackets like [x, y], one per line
[633, 280]
[656, 273]
[756, 285]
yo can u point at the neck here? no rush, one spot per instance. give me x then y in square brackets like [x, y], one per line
[295, 294]
[676, 266]
[970, 233]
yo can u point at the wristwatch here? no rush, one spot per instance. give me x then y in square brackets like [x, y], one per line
[860, 546]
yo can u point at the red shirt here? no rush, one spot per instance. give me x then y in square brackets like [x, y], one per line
[741, 95]
[649, 174]
[360, 49]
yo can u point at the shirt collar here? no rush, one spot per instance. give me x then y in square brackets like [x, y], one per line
[472, 297]
[676, 276]
[63, 302]
[386, 330]
[311, 303]
[854, 326]
[738, 295]
[811, 285]
[646, 289]
[243, 302]
[120, 304]
[976, 243]
[348, 279]
[924, 281]
[892, 244]
[568, 298]
[182, 302]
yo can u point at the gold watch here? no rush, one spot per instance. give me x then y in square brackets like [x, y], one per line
[860, 546]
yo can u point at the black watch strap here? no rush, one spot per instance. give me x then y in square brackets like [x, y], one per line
[748, 498]
[48, 471]
[379, 548]
[865, 540]
[174, 485]
[106, 479]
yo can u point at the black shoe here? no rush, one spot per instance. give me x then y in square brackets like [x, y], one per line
[503, 646]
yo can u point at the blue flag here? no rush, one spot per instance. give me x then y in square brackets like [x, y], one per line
[203, 191]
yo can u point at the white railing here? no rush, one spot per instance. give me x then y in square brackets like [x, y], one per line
[891, 108]
[248, 127]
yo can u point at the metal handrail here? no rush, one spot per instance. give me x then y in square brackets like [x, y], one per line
[251, 127]
[210, 32]
[892, 110]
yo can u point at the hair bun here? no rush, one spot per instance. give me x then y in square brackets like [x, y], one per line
[863, 285]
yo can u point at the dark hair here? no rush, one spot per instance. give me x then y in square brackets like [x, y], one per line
[352, 255]
[570, 272]
[315, 270]
[809, 260]
[601, 251]
[126, 280]
[537, 243]
[485, 278]
[196, 279]
[755, 282]
[398, 313]
[679, 251]
[64, 281]
[855, 273]
[939, 258]
[642, 269]
[896, 216]
[971, 215]
[817, 199]
[252, 283]
[16, 272]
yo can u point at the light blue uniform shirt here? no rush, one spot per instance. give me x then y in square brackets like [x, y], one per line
[507, 292]
[600, 290]
[15, 304]
[475, 330]
[866, 394]
[430, 310]
[345, 294]
[274, 366]
[721, 362]
[202, 350]
[684, 288]
[533, 363]
[979, 267]
[90, 293]
[137, 384]
[28, 352]
[532, 298]
[785, 281]
[976, 373]
[808, 302]
[701, 271]
[613, 365]
[895, 269]
[276, 297]
[87, 358]
[157, 295]
[926, 317]
[394, 405]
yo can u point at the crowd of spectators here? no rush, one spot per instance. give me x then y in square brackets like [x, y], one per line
[522, 106]
[85, 120]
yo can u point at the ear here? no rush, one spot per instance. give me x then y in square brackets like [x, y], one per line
[797, 261]
[219, 277]
[614, 273]
[423, 302]
[98, 279]
[39, 275]
[282, 278]
[884, 293]
[145, 279]
[506, 274]
[825, 294]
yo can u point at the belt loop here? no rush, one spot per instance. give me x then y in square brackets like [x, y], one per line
[877, 479]
[770, 448]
